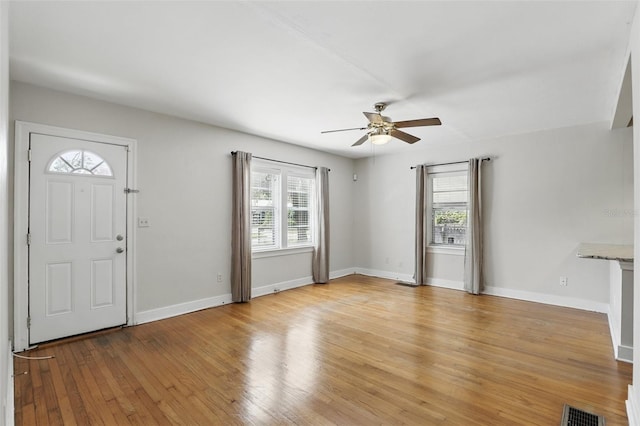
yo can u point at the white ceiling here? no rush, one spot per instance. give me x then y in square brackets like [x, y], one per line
[288, 70]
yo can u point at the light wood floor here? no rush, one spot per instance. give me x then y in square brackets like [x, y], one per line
[359, 350]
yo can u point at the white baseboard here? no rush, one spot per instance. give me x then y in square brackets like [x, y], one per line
[181, 308]
[620, 352]
[529, 296]
[613, 331]
[285, 285]
[9, 403]
[341, 273]
[385, 274]
[211, 302]
[435, 282]
[453, 285]
[625, 353]
[548, 299]
[633, 411]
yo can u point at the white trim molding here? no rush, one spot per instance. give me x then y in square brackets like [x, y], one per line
[23, 130]
[529, 296]
[181, 308]
[341, 273]
[633, 411]
[620, 352]
[278, 287]
[405, 278]
[215, 301]
[9, 408]
[548, 299]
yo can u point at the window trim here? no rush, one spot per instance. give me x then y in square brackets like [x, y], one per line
[284, 171]
[457, 250]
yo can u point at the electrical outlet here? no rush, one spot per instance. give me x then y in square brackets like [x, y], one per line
[143, 222]
[219, 277]
[563, 281]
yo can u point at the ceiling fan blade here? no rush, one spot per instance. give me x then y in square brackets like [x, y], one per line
[404, 136]
[374, 118]
[343, 130]
[361, 140]
[416, 123]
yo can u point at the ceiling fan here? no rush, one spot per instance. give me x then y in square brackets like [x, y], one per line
[381, 129]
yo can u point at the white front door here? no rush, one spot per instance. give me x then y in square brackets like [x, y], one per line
[78, 241]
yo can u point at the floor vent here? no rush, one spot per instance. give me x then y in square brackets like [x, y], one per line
[406, 284]
[572, 416]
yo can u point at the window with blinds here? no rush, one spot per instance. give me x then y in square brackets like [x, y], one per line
[281, 206]
[448, 199]
[298, 213]
[264, 209]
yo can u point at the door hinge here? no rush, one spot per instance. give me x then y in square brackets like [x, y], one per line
[131, 191]
[29, 239]
[28, 322]
[29, 154]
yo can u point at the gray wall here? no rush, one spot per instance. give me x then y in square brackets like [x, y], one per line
[184, 177]
[633, 403]
[545, 193]
[5, 306]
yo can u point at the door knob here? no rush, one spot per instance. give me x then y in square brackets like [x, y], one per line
[119, 250]
[119, 237]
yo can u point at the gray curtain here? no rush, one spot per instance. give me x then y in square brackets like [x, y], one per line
[320, 267]
[420, 274]
[241, 228]
[473, 271]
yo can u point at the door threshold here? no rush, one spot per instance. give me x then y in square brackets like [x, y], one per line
[75, 338]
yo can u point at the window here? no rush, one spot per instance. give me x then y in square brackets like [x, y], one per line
[448, 208]
[281, 207]
[79, 162]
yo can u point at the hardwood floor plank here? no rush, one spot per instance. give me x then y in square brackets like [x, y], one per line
[359, 350]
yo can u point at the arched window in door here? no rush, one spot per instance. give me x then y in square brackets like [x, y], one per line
[79, 162]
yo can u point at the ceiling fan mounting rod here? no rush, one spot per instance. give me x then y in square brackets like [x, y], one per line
[380, 106]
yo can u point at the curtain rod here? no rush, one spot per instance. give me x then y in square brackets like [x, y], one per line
[280, 161]
[453, 162]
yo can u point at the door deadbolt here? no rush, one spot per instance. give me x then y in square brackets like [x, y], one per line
[119, 237]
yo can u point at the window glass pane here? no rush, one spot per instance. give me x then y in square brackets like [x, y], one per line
[80, 162]
[81, 172]
[264, 210]
[102, 170]
[298, 202]
[263, 228]
[281, 206]
[449, 225]
[262, 189]
[59, 166]
[74, 158]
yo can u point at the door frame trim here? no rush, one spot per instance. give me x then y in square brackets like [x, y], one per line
[23, 130]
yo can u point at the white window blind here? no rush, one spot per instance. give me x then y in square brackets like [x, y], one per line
[264, 209]
[282, 214]
[298, 210]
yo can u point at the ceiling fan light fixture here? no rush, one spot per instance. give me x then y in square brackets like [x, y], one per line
[379, 138]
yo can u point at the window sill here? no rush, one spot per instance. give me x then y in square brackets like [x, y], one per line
[456, 251]
[281, 252]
